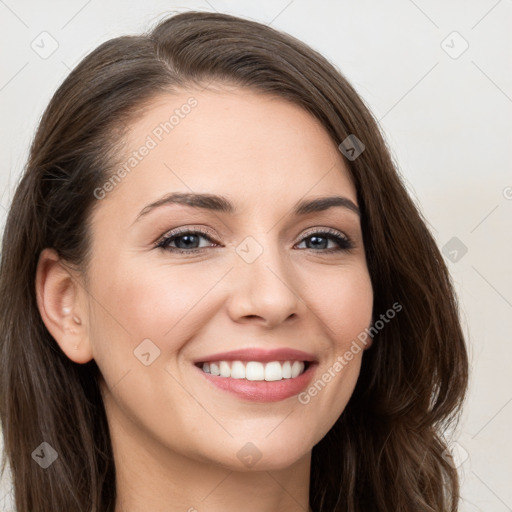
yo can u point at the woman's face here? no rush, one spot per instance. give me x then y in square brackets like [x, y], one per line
[260, 278]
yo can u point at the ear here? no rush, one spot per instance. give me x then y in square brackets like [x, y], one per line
[369, 339]
[369, 343]
[62, 307]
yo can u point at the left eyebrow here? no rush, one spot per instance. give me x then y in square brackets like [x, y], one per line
[324, 203]
[219, 203]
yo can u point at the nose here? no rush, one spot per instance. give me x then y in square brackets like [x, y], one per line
[263, 291]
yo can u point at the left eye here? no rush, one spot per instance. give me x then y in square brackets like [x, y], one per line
[321, 239]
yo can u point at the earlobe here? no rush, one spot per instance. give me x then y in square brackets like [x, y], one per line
[63, 313]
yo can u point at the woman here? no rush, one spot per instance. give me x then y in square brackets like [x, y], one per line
[217, 293]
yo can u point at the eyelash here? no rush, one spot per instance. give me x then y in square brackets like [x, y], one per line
[342, 240]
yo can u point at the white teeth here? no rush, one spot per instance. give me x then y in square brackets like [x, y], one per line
[255, 370]
[237, 370]
[225, 370]
[297, 368]
[273, 371]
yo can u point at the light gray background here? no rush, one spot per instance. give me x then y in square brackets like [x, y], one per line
[447, 118]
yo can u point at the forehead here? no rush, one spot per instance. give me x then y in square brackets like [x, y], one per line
[249, 146]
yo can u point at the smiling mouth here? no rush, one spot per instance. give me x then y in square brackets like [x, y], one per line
[255, 370]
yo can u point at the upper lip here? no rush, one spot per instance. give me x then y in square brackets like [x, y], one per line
[259, 354]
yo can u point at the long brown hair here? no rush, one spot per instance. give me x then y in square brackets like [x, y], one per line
[386, 451]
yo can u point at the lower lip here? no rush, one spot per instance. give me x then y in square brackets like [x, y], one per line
[262, 390]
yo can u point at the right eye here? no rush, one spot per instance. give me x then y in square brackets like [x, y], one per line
[186, 241]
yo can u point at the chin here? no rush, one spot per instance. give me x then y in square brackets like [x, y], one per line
[262, 455]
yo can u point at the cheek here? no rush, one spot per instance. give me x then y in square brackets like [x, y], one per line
[133, 305]
[343, 302]
[166, 305]
[151, 302]
[344, 310]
